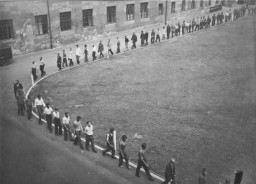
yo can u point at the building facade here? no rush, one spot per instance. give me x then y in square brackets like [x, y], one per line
[32, 25]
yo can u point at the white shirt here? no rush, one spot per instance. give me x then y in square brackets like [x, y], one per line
[34, 66]
[39, 102]
[42, 62]
[94, 49]
[78, 126]
[164, 31]
[56, 114]
[70, 54]
[65, 120]
[89, 130]
[47, 110]
[78, 51]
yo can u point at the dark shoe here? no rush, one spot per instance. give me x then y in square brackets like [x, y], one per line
[103, 153]
[95, 151]
[137, 175]
[120, 166]
[129, 168]
[114, 157]
[87, 149]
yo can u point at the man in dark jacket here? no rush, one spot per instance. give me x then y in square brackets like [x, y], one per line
[134, 40]
[146, 38]
[170, 172]
[101, 49]
[110, 143]
[168, 29]
[16, 87]
[142, 37]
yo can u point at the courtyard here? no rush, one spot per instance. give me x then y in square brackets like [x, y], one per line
[192, 98]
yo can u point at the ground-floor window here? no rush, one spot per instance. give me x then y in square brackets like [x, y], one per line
[6, 29]
[201, 3]
[88, 18]
[41, 24]
[183, 5]
[193, 4]
[130, 12]
[144, 10]
[160, 9]
[65, 21]
[111, 14]
[173, 7]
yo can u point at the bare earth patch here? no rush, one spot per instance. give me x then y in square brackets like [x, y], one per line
[192, 98]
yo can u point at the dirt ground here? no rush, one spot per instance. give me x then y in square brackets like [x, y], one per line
[192, 98]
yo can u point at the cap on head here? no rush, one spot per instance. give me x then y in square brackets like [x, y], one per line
[173, 159]
[112, 129]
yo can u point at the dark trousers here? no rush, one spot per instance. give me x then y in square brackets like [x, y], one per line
[168, 34]
[64, 62]
[94, 56]
[48, 118]
[89, 139]
[173, 33]
[118, 50]
[20, 109]
[213, 23]
[29, 111]
[152, 39]
[123, 157]
[42, 70]
[78, 139]
[34, 74]
[133, 45]
[158, 38]
[101, 54]
[197, 27]
[167, 180]
[110, 51]
[85, 58]
[77, 59]
[58, 127]
[109, 148]
[142, 164]
[40, 112]
[71, 63]
[67, 132]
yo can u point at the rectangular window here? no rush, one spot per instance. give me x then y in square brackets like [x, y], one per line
[217, 2]
[183, 5]
[65, 21]
[88, 18]
[130, 12]
[144, 10]
[210, 2]
[41, 24]
[173, 7]
[193, 4]
[111, 14]
[201, 3]
[6, 29]
[161, 9]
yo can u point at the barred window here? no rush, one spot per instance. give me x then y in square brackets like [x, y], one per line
[130, 12]
[6, 29]
[160, 9]
[183, 5]
[217, 2]
[111, 14]
[173, 7]
[193, 4]
[201, 3]
[189, 4]
[65, 21]
[88, 17]
[144, 10]
[210, 2]
[41, 24]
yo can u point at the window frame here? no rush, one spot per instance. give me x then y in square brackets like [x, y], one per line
[67, 21]
[111, 15]
[161, 9]
[144, 10]
[9, 32]
[40, 22]
[183, 5]
[88, 17]
[193, 4]
[130, 12]
[173, 7]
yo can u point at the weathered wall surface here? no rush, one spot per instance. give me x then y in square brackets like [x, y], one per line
[25, 32]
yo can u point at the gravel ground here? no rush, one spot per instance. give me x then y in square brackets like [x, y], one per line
[192, 98]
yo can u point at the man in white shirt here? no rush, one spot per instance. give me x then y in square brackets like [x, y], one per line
[94, 50]
[70, 57]
[56, 121]
[48, 116]
[33, 70]
[89, 136]
[78, 130]
[66, 127]
[78, 52]
[39, 104]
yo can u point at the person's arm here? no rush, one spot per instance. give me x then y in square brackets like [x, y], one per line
[120, 149]
[108, 140]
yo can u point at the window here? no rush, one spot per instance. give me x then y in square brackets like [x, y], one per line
[173, 7]
[160, 9]
[6, 29]
[130, 12]
[88, 17]
[201, 3]
[217, 1]
[193, 4]
[41, 24]
[65, 21]
[189, 4]
[144, 10]
[111, 14]
[183, 5]
[210, 2]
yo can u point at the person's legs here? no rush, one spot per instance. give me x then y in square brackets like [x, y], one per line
[65, 133]
[138, 168]
[59, 127]
[126, 160]
[120, 160]
[147, 171]
[92, 144]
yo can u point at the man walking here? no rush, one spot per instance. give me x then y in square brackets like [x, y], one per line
[158, 35]
[152, 36]
[101, 49]
[146, 38]
[29, 106]
[142, 162]
[66, 127]
[168, 31]
[134, 40]
[170, 172]
[94, 53]
[78, 131]
[70, 57]
[39, 104]
[20, 101]
[117, 46]
[33, 70]
[126, 40]
[122, 152]
[109, 48]
[64, 61]
[48, 116]
[110, 144]
[59, 61]
[85, 54]
[78, 53]
[42, 64]
[142, 39]
[57, 122]
[89, 136]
